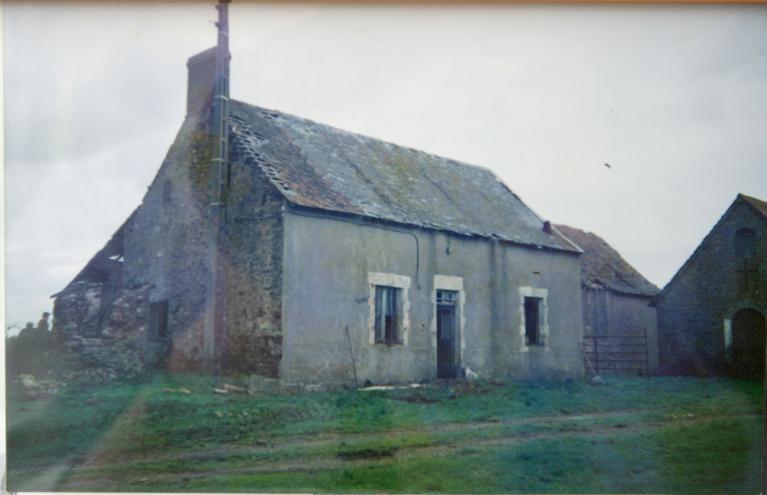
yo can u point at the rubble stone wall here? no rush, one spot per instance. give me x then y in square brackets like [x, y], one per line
[166, 244]
[252, 273]
[120, 347]
[710, 288]
[166, 258]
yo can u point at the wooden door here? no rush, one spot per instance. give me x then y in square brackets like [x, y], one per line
[446, 337]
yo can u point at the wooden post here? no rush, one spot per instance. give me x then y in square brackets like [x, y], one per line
[351, 353]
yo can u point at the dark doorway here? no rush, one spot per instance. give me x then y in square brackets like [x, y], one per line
[533, 321]
[748, 341]
[158, 320]
[447, 362]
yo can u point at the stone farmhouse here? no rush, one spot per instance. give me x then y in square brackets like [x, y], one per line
[711, 315]
[619, 318]
[272, 245]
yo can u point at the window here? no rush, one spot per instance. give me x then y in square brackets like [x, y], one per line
[533, 321]
[745, 241]
[158, 320]
[388, 309]
[534, 328]
[387, 315]
[448, 297]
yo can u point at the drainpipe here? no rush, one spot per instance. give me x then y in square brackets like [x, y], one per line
[219, 164]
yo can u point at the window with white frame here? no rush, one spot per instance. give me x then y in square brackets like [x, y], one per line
[388, 320]
[388, 315]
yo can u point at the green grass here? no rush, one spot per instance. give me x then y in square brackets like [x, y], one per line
[630, 435]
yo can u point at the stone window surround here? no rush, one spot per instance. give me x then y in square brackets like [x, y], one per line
[401, 282]
[543, 294]
[447, 282]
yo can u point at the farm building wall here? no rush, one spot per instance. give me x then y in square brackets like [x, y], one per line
[620, 332]
[331, 264]
[716, 282]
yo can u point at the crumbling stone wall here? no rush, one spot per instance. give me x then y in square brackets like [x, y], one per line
[163, 257]
[119, 347]
[708, 289]
[166, 254]
[77, 310]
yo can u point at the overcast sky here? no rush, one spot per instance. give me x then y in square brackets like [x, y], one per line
[674, 98]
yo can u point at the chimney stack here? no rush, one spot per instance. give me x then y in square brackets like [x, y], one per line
[201, 82]
[208, 72]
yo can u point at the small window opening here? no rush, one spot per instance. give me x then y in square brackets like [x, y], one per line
[533, 321]
[387, 315]
[745, 243]
[158, 320]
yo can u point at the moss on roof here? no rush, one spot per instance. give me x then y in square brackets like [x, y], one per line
[318, 166]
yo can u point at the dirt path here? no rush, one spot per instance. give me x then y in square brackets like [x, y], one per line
[90, 474]
[315, 440]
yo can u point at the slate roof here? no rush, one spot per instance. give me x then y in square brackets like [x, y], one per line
[758, 204]
[603, 267]
[318, 166]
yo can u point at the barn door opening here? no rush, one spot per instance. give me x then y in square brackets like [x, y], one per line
[748, 341]
[447, 337]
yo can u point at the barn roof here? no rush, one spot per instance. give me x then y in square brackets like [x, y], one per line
[318, 166]
[603, 267]
[758, 204]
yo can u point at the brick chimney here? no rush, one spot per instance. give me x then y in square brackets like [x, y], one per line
[201, 82]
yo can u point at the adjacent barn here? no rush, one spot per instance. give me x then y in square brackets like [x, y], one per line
[619, 316]
[711, 315]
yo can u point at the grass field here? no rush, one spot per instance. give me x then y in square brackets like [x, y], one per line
[173, 433]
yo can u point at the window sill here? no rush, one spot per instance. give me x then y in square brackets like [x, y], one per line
[535, 348]
[389, 344]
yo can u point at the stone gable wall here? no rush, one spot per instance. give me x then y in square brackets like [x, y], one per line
[693, 306]
[166, 258]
